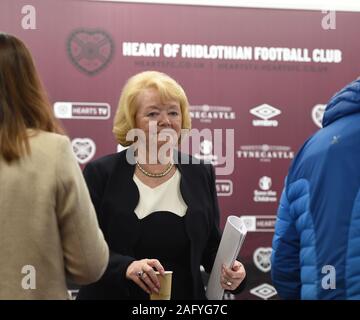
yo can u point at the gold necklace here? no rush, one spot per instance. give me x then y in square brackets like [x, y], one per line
[155, 175]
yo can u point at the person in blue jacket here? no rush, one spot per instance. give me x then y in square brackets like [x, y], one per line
[316, 246]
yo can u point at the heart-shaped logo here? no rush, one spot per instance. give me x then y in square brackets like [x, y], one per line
[317, 114]
[262, 258]
[84, 149]
[90, 50]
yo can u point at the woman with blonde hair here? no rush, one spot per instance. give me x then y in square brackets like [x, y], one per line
[48, 226]
[157, 214]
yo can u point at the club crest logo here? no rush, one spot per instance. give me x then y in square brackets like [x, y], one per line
[262, 258]
[84, 149]
[317, 114]
[90, 50]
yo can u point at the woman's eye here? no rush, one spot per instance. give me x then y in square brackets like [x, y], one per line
[174, 113]
[152, 114]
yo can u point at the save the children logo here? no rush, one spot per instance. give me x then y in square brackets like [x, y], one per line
[265, 194]
[90, 50]
[206, 152]
[206, 147]
[265, 183]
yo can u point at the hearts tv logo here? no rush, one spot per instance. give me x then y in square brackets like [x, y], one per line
[90, 50]
[84, 149]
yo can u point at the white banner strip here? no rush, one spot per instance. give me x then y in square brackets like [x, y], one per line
[334, 5]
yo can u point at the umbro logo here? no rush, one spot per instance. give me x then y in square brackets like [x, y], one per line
[264, 291]
[265, 112]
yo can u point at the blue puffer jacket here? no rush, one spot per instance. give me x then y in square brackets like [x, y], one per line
[316, 246]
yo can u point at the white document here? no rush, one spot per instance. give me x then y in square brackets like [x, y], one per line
[230, 244]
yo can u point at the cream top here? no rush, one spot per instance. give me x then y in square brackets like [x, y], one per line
[165, 197]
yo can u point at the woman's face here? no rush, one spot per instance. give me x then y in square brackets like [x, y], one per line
[165, 115]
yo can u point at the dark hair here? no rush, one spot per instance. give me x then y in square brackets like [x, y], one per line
[23, 101]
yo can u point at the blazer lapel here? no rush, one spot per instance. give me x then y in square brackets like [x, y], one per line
[121, 199]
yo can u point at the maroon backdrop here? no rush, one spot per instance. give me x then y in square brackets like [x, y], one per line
[80, 49]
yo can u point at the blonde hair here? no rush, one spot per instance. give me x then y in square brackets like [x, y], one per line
[167, 88]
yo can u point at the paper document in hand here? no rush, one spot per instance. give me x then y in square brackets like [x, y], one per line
[230, 244]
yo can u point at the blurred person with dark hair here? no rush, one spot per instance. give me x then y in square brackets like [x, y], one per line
[316, 246]
[48, 224]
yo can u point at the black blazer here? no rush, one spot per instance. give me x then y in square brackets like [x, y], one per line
[115, 197]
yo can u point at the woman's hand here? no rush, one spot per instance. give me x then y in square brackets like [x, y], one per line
[143, 274]
[232, 277]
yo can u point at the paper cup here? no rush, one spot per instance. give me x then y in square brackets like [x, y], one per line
[165, 287]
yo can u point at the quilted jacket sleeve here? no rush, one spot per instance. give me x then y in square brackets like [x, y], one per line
[285, 265]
